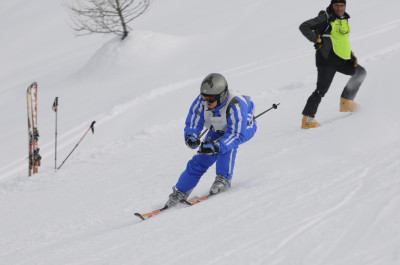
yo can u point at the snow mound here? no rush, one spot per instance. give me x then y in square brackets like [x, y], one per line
[140, 50]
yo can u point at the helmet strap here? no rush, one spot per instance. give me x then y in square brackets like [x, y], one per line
[222, 98]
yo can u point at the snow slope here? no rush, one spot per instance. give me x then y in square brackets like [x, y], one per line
[326, 196]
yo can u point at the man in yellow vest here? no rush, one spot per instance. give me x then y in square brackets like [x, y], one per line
[329, 32]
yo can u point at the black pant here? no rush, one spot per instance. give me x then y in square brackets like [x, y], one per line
[326, 72]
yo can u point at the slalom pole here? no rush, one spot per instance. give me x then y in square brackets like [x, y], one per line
[90, 128]
[55, 108]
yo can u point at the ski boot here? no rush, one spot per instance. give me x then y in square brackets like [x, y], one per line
[220, 184]
[347, 105]
[175, 197]
[308, 123]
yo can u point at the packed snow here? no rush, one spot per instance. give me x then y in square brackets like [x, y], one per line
[325, 196]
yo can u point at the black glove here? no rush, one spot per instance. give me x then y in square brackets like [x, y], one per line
[192, 141]
[354, 60]
[318, 43]
[209, 148]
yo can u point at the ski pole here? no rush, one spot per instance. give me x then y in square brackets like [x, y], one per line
[55, 108]
[201, 135]
[90, 128]
[274, 106]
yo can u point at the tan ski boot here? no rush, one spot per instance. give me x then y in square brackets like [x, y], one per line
[308, 123]
[347, 105]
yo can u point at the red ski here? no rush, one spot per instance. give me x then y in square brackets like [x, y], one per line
[33, 133]
[190, 202]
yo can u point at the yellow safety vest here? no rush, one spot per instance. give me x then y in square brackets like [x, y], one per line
[340, 38]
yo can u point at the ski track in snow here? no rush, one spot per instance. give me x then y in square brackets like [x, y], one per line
[380, 29]
[293, 233]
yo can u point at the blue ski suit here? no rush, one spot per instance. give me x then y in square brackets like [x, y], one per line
[233, 120]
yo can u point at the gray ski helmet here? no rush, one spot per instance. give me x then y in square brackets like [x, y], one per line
[214, 85]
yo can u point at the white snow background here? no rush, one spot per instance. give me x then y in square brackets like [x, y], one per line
[327, 196]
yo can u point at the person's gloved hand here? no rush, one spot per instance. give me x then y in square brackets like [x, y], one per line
[354, 60]
[192, 141]
[209, 148]
[318, 43]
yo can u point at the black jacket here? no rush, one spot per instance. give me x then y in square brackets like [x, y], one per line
[320, 26]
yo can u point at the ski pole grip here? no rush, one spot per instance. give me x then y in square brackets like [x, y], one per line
[55, 104]
[92, 126]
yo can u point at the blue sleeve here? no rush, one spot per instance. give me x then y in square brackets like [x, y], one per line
[236, 128]
[195, 118]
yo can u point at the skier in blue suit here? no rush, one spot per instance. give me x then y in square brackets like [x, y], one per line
[228, 117]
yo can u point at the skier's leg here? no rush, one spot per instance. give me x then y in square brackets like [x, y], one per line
[226, 163]
[224, 169]
[358, 75]
[195, 169]
[325, 77]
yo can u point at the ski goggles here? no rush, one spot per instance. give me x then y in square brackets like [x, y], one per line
[210, 98]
